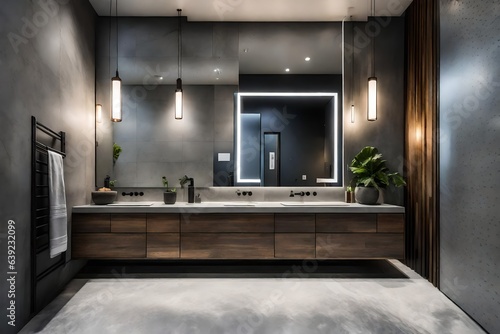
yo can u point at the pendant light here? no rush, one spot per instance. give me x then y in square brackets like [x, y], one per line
[372, 81]
[116, 82]
[178, 90]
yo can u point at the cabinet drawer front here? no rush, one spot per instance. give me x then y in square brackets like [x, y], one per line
[128, 223]
[295, 222]
[391, 223]
[294, 245]
[163, 223]
[214, 223]
[346, 223]
[93, 222]
[108, 245]
[359, 246]
[227, 246]
[163, 245]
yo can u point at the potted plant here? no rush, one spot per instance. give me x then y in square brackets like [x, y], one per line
[371, 175]
[170, 194]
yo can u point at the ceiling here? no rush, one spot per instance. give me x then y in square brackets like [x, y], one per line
[256, 10]
[288, 31]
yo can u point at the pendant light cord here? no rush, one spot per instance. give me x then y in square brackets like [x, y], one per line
[179, 45]
[109, 35]
[373, 41]
[116, 18]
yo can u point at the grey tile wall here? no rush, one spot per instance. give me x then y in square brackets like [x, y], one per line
[48, 74]
[469, 158]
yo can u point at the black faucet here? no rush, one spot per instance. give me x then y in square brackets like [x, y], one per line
[191, 190]
[106, 181]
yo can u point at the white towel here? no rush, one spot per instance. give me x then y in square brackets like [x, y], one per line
[58, 220]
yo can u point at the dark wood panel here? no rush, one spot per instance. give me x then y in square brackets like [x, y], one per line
[351, 222]
[163, 222]
[128, 223]
[294, 245]
[213, 223]
[91, 222]
[289, 222]
[391, 223]
[227, 246]
[359, 245]
[163, 245]
[108, 245]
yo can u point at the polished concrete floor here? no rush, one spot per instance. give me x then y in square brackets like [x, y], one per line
[253, 305]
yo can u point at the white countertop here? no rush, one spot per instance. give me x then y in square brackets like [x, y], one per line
[238, 207]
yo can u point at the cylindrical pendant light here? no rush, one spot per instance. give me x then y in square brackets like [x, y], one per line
[116, 82]
[178, 90]
[372, 99]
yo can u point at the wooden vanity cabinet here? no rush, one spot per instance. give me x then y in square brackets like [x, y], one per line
[294, 236]
[227, 236]
[238, 236]
[360, 236]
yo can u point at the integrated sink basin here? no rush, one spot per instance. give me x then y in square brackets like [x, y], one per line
[315, 204]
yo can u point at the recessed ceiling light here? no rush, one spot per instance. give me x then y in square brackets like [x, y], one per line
[159, 77]
[307, 58]
[245, 50]
[287, 70]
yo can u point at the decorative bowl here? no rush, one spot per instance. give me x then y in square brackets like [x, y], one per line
[103, 197]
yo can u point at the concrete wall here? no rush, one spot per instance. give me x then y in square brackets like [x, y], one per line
[469, 157]
[387, 132]
[47, 63]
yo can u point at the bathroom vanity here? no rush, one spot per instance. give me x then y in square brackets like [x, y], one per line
[238, 231]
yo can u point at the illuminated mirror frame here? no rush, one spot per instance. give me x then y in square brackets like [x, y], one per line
[239, 95]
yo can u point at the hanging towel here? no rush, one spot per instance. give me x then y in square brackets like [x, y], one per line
[58, 226]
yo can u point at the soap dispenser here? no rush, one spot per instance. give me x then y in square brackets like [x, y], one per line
[191, 190]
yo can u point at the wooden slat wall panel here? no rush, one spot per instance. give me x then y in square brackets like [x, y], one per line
[422, 139]
[226, 223]
[298, 223]
[227, 246]
[163, 222]
[336, 222]
[294, 245]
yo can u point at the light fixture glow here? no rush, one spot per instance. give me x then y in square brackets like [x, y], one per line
[98, 113]
[308, 59]
[178, 90]
[372, 99]
[178, 100]
[287, 70]
[352, 113]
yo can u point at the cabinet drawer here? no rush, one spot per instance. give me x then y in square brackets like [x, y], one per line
[294, 245]
[294, 223]
[128, 223]
[391, 223]
[346, 223]
[93, 222]
[227, 223]
[163, 223]
[163, 245]
[359, 246]
[108, 245]
[227, 246]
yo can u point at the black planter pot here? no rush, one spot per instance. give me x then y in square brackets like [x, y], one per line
[366, 195]
[169, 197]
